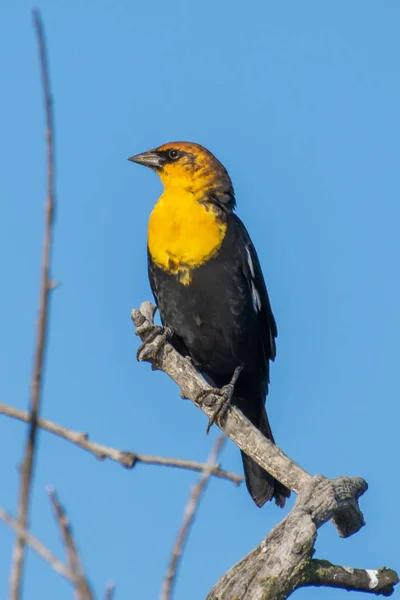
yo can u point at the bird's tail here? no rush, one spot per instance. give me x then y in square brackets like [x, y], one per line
[261, 485]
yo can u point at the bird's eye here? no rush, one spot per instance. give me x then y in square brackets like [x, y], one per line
[173, 154]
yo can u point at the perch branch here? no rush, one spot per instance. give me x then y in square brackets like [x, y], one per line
[189, 515]
[124, 458]
[348, 518]
[45, 288]
[283, 562]
[82, 587]
[38, 547]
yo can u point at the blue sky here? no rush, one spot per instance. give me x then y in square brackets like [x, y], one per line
[300, 101]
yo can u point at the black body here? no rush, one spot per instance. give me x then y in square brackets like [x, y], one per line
[223, 319]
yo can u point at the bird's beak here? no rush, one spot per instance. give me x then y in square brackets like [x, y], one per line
[148, 159]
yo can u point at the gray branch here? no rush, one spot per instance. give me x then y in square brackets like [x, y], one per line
[125, 458]
[283, 561]
[374, 581]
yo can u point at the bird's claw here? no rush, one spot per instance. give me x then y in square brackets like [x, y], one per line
[223, 403]
[153, 342]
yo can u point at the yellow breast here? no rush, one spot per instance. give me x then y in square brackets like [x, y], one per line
[183, 233]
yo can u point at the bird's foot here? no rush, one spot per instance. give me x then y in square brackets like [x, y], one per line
[224, 394]
[153, 342]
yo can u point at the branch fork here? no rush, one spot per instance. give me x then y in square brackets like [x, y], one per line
[283, 561]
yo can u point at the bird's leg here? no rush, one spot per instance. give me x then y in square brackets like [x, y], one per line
[154, 340]
[225, 396]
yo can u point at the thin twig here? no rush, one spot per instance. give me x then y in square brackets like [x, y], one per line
[36, 385]
[82, 587]
[110, 589]
[188, 518]
[126, 459]
[37, 546]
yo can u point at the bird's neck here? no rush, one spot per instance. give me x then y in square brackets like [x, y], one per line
[184, 233]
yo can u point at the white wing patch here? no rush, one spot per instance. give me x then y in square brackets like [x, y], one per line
[256, 297]
[250, 262]
[254, 293]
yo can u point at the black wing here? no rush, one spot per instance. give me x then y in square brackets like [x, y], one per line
[255, 280]
[152, 277]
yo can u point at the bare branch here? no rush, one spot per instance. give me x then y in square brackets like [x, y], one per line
[82, 587]
[38, 547]
[283, 561]
[380, 582]
[189, 515]
[124, 458]
[348, 518]
[28, 464]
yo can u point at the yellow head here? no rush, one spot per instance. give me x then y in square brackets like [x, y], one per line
[185, 166]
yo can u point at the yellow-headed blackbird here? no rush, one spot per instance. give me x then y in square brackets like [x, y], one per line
[209, 287]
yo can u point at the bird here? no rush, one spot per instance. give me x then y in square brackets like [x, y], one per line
[209, 288]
